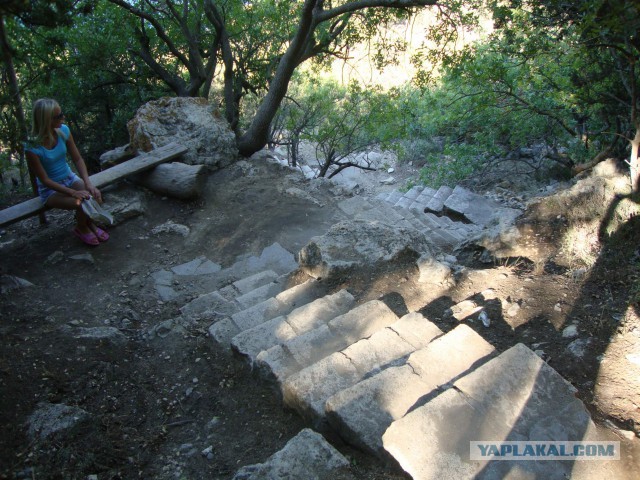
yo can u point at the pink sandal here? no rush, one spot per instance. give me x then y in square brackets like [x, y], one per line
[88, 238]
[101, 234]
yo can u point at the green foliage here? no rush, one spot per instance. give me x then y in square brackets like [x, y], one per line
[340, 120]
[86, 67]
[458, 162]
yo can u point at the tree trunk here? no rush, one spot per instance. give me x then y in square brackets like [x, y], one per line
[18, 109]
[176, 179]
[581, 167]
[257, 135]
[634, 164]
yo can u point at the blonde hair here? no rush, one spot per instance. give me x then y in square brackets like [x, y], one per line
[43, 109]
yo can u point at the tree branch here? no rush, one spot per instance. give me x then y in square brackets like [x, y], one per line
[324, 15]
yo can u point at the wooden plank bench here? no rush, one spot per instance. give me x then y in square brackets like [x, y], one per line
[138, 164]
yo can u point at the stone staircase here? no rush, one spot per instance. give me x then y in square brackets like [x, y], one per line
[396, 387]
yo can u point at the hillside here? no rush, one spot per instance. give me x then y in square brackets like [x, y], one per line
[162, 400]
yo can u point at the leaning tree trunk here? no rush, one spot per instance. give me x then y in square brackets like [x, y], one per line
[257, 136]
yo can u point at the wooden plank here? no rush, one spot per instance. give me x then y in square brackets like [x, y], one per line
[138, 164]
[21, 211]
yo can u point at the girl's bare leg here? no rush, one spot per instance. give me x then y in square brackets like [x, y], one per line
[65, 202]
[79, 185]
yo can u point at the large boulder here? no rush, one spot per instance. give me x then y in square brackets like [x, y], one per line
[191, 122]
[358, 243]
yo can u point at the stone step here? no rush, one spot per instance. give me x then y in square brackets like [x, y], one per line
[414, 192]
[403, 202]
[286, 301]
[394, 196]
[252, 282]
[381, 212]
[203, 275]
[436, 204]
[441, 232]
[356, 204]
[382, 196]
[210, 302]
[286, 327]
[307, 390]
[420, 203]
[282, 361]
[260, 294]
[434, 229]
[237, 296]
[362, 413]
[426, 195]
[515, 396]
[307, 455]
[274, 257]
[478, 209]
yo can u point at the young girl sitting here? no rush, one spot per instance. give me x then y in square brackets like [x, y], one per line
[58, 186]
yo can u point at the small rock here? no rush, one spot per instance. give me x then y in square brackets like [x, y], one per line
[557, 307]
[83, 257]
[513, 310]
[170, 227]
[388, 181]
[102, 334]
[25, 473]
[10, 282]
[208, 452]
[463, 310]
[579, 273]
[187, 449]
[578, 347]
[391, 170]
[52, 418]
[55, 258]
[484, 318]
[450, 259]
[163, 329]
[570, 332]
[126, 323]
[433, 271]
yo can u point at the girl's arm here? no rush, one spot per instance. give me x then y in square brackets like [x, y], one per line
[82, 168]
[39, 171]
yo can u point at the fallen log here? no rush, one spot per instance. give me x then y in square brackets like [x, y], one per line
[175, 179]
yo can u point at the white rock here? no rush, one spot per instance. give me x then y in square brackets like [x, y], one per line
[578, 347]
[84, 257]
[52, 418]
[570, 332]
[170, 227]
[388, 181]
[486, 321]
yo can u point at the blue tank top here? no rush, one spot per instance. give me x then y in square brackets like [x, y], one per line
[54, 161]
